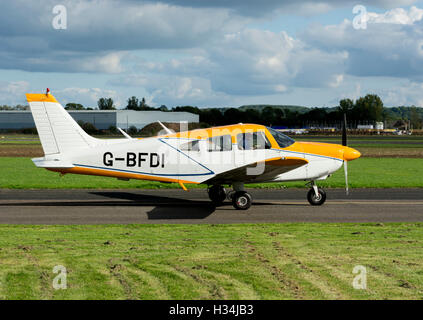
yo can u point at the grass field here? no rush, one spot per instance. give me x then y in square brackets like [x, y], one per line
[21, 173]
[285, 261]
[260, 261]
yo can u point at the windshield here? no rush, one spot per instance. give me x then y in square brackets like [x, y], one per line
[282, 140]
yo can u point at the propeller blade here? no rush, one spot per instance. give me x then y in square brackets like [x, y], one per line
[346, 177]
[344, 130]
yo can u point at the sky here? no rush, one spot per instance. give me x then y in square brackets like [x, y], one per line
[212, 53]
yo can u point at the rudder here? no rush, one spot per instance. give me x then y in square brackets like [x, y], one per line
[58, 131]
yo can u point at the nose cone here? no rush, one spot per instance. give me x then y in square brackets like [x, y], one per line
[351, 154]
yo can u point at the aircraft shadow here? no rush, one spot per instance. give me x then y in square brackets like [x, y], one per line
[166, 207]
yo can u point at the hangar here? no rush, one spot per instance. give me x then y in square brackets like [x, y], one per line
[101, 119]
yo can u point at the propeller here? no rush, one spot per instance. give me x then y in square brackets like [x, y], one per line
[344, 143]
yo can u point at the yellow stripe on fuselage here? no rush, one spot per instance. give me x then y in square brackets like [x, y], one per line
[117, 174]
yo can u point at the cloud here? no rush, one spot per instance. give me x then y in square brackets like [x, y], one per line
[298, 7]
[98, 31]
[410, 93]
[391, 46]
[13, 92]
[86, 96]
[100, 28]
[68, 62]
[206, 52]
[112, 25]
[255, 62]
[396, 16]
[174, 90]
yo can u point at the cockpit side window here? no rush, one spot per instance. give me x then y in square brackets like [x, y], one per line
[282, 140]
[252, 141]
[219, 143]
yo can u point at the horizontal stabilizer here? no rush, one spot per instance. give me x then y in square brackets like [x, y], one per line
[52, 163]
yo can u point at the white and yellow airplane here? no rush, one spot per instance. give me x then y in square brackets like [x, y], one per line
[229, 155]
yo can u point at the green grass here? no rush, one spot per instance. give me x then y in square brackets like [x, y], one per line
[21, 173]
[385, 145]
[262, 261]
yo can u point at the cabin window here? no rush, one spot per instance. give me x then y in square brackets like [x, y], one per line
[252, 141]
[282, 140]
[219, 143]
[190, 146]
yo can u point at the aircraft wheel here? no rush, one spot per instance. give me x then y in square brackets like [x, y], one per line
[316, 200]
[241, 200]
[230, 195]
[217, 194]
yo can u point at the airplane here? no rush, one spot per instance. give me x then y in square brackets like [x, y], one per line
[231, 155]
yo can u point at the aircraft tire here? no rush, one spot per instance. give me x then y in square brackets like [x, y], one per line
[241, 200]
[217, 194]
[316, 201]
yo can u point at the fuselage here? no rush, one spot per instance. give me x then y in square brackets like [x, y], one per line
[198, 156]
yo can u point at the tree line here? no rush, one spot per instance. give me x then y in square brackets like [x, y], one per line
[365, 110]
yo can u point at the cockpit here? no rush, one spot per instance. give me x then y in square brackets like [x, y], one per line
[282, 140]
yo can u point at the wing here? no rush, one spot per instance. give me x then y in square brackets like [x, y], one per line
[254, 172]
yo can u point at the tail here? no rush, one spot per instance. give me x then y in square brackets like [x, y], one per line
[58, 131]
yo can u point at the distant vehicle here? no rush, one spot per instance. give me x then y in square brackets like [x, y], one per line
[365, 126]
[379, 126]
[294, 131]
[229, 155]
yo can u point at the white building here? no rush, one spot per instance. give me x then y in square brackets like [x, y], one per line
[101, 119]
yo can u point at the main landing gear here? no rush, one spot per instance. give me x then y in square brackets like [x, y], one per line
[217, 194]
[241, 200]
[316, 196]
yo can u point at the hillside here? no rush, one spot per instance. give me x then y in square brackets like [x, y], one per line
[259, 107]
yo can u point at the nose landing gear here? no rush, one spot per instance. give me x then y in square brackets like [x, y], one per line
[316, 196]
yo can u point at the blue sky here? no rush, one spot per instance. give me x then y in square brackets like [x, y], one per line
[214, 52]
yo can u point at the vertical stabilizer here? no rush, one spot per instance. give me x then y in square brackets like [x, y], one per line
[58, 131]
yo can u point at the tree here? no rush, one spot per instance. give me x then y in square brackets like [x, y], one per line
[346, 106]
[106, 104]
[132, 103]
[132, 130]
[211, 116]
[233, 115]
[88, 127]
[113, 130]
[268, 116]
[368, 108]
[415, 119]
[144, 106]
[74, 106]
[252, 116]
